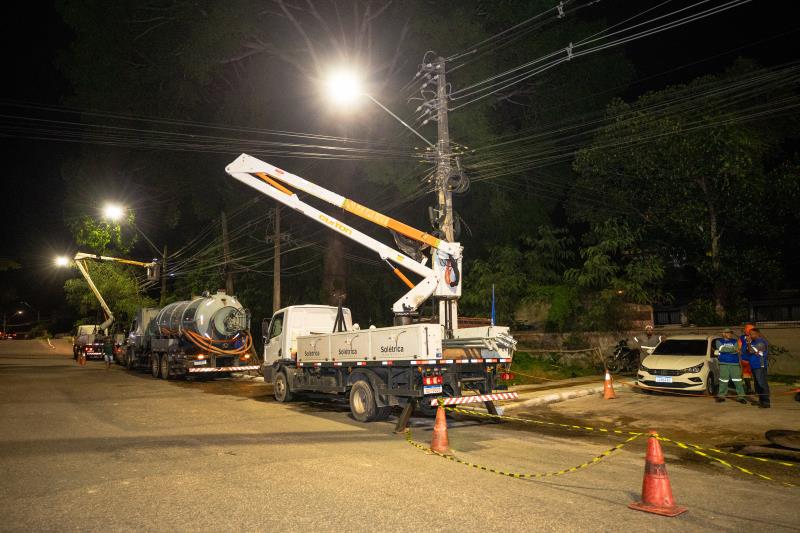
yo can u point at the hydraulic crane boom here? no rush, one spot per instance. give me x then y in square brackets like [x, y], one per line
[442, 279]
[80, 261]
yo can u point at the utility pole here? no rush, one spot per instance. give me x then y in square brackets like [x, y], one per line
[226, 251]
[163, 277]
[448, 309]
[276, 263]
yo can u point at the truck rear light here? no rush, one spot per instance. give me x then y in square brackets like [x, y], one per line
[432, 380]
[245, 357]
[201, 356]
[506, 376]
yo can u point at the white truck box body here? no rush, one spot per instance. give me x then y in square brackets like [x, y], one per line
[411, 342]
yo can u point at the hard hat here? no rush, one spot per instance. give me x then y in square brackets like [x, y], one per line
[748, 327]
[648, 326]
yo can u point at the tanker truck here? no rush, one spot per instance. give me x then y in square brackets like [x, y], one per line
[206, 336]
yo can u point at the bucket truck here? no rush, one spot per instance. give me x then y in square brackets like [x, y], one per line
[317, 348]
[89, 338]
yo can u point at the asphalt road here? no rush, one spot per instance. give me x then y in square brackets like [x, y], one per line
[82, 448]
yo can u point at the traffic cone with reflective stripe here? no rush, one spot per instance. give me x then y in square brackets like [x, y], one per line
[439, 443]
[608, 388]
[656, 490]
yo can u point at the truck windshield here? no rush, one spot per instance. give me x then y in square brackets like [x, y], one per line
[681, 347]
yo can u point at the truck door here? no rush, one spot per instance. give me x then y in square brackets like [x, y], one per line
[273, 343]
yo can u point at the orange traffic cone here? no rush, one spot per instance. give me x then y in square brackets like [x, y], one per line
[608, 388]
[439, 442]
[656, 490]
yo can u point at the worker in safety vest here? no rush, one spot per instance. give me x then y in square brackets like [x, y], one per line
[730, 369]
[747, 373]
[648, 341]
[758, 353]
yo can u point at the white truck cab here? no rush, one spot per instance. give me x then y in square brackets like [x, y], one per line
[295, 321]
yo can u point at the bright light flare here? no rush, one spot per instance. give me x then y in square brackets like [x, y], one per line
[344, 87]
[113, 212]
[62, 261]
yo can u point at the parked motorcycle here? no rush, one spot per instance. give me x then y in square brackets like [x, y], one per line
[624, 358]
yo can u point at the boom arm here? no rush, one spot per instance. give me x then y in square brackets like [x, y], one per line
[443, 279]
[80, 261]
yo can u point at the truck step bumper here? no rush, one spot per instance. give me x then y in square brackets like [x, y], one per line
[459, 400]
[223, 369]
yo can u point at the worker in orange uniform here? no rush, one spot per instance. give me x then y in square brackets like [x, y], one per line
[747, 373]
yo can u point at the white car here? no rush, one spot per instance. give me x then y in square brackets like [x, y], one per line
[682, 363]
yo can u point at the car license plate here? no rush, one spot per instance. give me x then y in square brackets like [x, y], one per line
[432, 389]
[663, 379]
[198, 363]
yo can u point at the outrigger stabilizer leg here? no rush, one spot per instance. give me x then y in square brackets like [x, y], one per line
[408, 410]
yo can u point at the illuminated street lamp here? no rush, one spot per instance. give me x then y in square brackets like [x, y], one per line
[113, 212]
[344, 88]
[62, 261]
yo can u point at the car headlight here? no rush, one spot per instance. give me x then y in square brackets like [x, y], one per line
[693, 369]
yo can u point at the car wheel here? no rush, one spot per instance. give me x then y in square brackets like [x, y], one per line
[711, 384]
[155, 365]
[281, 388]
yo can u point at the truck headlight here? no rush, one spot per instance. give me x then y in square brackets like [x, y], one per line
[693, 369]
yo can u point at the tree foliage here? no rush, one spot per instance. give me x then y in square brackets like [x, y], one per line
[693, 177]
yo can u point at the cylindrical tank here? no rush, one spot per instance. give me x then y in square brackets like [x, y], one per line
[216, 317]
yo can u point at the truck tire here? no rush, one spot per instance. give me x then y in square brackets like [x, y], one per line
[155, 365]
[281, 388]
[165, 369]
[362, 403]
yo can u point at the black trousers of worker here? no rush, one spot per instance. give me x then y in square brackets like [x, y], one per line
[762, 387]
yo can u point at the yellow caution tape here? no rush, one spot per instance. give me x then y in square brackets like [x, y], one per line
[518, 475]
[723, 452]
[729, 465]
[474, 412]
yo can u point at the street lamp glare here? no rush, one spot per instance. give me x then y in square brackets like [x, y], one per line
[344, 87]
[62, 261]
[113, 212]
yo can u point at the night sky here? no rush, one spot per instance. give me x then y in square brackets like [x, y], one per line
[33, 35]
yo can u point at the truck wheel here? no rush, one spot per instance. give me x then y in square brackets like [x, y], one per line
[362, 402]
[165, 370]
[281, 388]
[155, 365]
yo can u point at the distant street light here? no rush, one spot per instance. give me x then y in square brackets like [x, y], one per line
[113, 212]
[344, 87]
